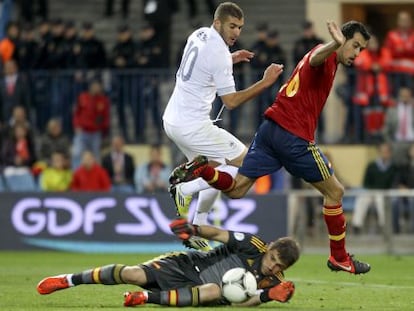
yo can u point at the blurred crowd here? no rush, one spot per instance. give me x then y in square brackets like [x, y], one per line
[61, 85]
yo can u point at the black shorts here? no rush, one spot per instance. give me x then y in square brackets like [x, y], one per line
[170, 271]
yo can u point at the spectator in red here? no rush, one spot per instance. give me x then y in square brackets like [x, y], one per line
[90, 176]
[9, 43]
[372, 92]
[90, 121]
[18, 148]
[400, 42]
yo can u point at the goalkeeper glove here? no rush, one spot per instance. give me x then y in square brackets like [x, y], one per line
[281, 292]
[184, 230]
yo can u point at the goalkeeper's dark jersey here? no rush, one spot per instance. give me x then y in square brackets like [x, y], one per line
[195, 268]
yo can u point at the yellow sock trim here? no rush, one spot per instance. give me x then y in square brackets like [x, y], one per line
[95, 275]
[337, 237]
[332, 212]
[195, 295]
[215, 178]
[173, 297]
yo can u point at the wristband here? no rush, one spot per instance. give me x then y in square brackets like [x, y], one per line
[264, 295]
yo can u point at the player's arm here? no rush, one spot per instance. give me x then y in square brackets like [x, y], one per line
[319, 56]
[184, 230]
[270, 76]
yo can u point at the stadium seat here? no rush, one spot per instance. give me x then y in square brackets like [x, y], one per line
[19, 179]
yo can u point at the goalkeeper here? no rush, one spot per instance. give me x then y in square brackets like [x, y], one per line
[193, 278]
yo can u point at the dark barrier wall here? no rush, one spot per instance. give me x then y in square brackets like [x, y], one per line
[83, 222]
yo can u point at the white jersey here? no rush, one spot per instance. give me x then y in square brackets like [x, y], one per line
[206, 70]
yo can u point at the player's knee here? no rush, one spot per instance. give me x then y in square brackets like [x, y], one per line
[133, 275]
[210, 292]
[337, 193]
[235, 194]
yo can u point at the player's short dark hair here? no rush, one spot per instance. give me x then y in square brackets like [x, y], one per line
[288, 250]
[226, 9]
[350, 28]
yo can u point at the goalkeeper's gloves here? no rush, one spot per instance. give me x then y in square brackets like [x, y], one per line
[184, 230]
[281, 292]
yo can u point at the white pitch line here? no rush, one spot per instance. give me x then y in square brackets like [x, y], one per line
[353, 284]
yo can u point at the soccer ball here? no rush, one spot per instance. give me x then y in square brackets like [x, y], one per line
[238, 285]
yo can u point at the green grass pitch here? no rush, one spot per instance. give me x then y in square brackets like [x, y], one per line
[389, 285]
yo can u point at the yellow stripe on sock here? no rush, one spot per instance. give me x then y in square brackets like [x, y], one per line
[332, 211]
[337, 237]
[173, 297]
[95, 275]
[195, 294]
[215, 178]
[117, 274]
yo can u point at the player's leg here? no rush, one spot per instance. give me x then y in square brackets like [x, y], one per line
[260, 160]
[107, 275]
[180, 297]
[332, 191]
[218, 147]
[206, 199]
[172, 281]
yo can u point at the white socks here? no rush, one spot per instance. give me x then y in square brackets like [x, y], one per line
[206, 199]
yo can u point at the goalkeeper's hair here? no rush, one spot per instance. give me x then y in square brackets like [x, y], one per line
[288, 250]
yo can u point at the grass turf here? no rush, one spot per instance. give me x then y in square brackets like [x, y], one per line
[389, 285]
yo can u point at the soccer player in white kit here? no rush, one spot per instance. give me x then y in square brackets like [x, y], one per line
[206, 69]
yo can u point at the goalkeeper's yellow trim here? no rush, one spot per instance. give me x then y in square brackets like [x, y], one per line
[195, 295]
[95, 275]
[173, 297]
[117, 274]
[337, 237]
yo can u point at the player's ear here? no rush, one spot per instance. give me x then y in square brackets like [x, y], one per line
[217, 23]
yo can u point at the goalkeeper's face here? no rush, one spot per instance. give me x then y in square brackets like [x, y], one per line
[271, 263]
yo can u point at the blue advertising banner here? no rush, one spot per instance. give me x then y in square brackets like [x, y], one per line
[97, 222]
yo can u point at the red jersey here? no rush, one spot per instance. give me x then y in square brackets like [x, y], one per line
[92, 113]
[301, 99]
[401, 46]
[94, 179]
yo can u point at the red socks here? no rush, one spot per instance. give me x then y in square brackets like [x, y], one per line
[217, 179]
[335, 221]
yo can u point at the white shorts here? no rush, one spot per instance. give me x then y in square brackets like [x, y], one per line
[206, 139]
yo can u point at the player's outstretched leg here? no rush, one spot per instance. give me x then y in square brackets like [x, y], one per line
[51, 284]
[350, 265]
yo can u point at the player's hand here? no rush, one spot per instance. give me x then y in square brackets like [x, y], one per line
[336, 32]
[184, 230]
[282, 292]
[242, 56]
[272, 72]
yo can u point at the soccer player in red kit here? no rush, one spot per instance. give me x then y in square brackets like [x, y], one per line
[286, 138]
